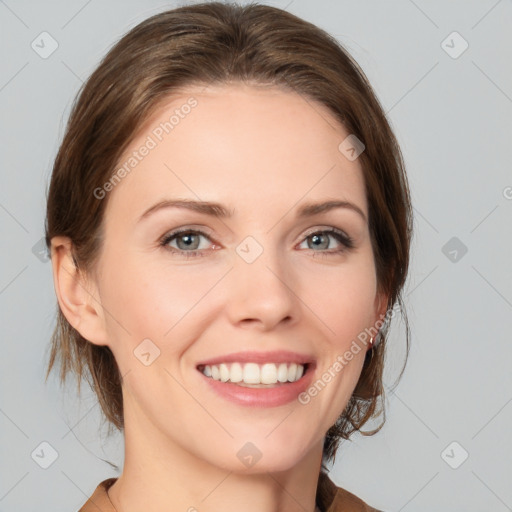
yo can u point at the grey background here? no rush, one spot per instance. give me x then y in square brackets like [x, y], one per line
[453, 119]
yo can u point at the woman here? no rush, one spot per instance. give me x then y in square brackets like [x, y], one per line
[229, 224]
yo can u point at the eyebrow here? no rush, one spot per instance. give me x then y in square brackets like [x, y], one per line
[219, 211]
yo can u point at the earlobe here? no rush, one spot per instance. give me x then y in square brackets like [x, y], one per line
[78, 300]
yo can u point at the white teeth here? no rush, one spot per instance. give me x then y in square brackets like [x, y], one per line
[236, 373]
[253, 373]
[268, 374]
[292, 371]
[282, 373]
[224, 372]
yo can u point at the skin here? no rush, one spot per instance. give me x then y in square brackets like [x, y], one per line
[261, 152]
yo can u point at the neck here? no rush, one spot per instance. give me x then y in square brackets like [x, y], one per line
[161, 474]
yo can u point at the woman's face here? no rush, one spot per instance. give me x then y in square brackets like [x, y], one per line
[261, 278]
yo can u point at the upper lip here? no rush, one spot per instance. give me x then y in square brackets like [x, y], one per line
[275, 356]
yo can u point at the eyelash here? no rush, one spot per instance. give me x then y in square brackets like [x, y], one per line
[346, 242]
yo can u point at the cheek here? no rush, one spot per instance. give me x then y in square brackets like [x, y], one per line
[147, 299]
[343, 298]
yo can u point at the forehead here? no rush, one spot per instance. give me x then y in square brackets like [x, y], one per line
[250, 145]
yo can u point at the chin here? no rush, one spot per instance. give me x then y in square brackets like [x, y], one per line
[258, 456]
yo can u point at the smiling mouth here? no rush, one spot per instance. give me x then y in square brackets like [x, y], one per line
[254, 375]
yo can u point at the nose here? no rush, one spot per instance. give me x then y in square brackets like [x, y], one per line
[261, 293]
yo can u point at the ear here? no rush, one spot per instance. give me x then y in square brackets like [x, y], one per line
[78, 297]
[381, 306]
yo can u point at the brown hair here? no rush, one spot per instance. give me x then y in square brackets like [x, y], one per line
[219, 43]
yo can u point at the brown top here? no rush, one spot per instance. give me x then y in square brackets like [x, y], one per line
[329, 498]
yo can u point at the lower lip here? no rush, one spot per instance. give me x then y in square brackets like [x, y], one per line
[261, 397]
